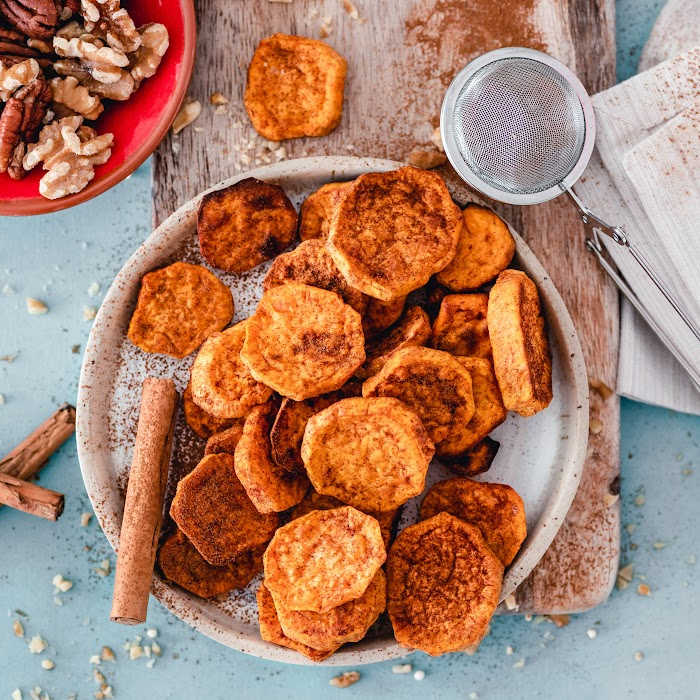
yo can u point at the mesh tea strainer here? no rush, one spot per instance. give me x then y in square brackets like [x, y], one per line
[518, 126]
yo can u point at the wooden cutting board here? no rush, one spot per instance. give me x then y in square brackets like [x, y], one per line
[401, 57]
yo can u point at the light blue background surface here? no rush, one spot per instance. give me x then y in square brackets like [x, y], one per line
[57, 258]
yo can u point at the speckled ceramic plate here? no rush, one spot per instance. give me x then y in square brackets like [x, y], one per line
[541, 457]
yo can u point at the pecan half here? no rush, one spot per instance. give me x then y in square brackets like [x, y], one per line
[20, 121]
[14, 43]
[36, 18]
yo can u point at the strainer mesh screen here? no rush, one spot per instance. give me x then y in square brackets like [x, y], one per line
[519, 125]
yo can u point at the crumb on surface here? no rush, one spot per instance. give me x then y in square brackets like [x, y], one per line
[345, 679]
[36, 306]
[37, 644]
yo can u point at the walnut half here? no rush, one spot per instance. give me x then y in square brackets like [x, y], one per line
[71, 94]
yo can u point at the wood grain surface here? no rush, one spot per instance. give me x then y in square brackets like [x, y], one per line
[401, 58]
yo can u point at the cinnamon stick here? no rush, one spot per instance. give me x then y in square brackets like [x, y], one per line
[144, 502]
[30, 498]
[32, 453]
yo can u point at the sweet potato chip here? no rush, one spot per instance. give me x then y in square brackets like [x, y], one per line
[182, 564]
[443, 585]
[226, 440]
[317, 209]
[222, 384]
[432, 383]
[345, 623]
[295, 87]
[461, 327]
[270, 488]
[303, 341]
[178, 307]
[214, 512]
[310, 263]
[475, 461]
[271, 630]
[379, 315]
[485, 248]
[393, 230]
[521, 356]
[323, 559]
[244, 224]
[372, 453]
[496, 509]
[201, 422]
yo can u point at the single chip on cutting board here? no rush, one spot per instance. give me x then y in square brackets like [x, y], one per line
[372, 453]
[411, 331]
[311, 263]
[461, 327]
[489, 410]
[201, 422]
[295, 87]
[226, 440]
[393, 230]
[345, 623]
[271, 488]
[182, 564]
[475, 461]
[245, 224]
[317, 209]
[303, 341]
[443, 585]
[222, 384]
[485, 248]
[213, 510]
[178, 307]
[271, 630]
[430, 382]
[323, 559]
[317, 501]
[521, 356]
[496, 509]
[379, 315]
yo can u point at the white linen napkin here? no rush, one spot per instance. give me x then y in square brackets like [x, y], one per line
[643, 175]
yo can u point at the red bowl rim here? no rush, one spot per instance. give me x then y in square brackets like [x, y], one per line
[40, 205]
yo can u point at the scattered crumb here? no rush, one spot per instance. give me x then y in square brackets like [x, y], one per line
[152, 633]
[135, 651]
[18, 629]
[509, 650]
[520, 663]
[345, 679]
[106, 654]
[640, 500]
[350, 8]
[643, 589]
[659, 545]
[510, 602]
[89, 313]
[2, 399]
[610, 499]
[57, 600]
[75, 349]
[473, 695]
[401, 668]
[95, 659]
[528, 617]
[16, 694]
[187, 114]
[592, 634]
[638, 655]
[48, 664]
[94, 289]
[601, 388]
[98, 676]
[217, 99]
[326, 29]
[8, 358]
[155, 648]
[419, 675]
[35, 306]
[61, 583]
[436, 138]
[104, 569]
[7, 290]
[425, 158]
[559, 620]
[37, 645]
[595, 426]
[624, 576]
[151, 663]
[630, 528]
[85, 519]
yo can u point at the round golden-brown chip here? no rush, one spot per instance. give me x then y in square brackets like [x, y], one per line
[323, 559]
[372, 453]
[295, 87]
[393, 230]
[443, 585]
[226, 440]
[496, 509]
[379, 315]
[345, 623]
[271, 488]
[303, 341]
[178, 307]
[430, 382]
[244, 224]
[201, 422]
[461, 327]
[182, 564]
[311, 263]
[222, 384]
[485, 247]
[317, 209]
[271, 630]
[214, 512]
[412, 330]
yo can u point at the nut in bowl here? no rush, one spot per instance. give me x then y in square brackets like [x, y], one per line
[87, 95]
[533, 458]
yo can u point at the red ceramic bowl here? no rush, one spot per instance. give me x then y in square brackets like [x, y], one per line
[138, 125]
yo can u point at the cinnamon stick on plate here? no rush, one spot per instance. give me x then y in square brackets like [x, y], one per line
[30, 498]
[144, 502]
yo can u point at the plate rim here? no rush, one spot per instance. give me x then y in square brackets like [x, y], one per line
[188, 607]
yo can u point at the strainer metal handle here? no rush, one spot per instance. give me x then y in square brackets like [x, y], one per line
[598, 226]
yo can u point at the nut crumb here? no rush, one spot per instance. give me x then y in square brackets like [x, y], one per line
[2, 399]
[16, 694]
[48, 664]
[345, 679]
[350, 8]
[135, 651]
[218, 99]
[155, 648]
[638, 656]
[401, 668]
[106, 654]
[659, 545]
[85, 519]
[595, 426]
[511, 603]
[18, 629]
[325, 31]
[601, 388]
[426, 159]
[94, 289]
[9, 358]
[94, 659]
[152, 632]
[640, 500]
[187, 114]
[75, 349]
[520, 663]
[624, 576]
[559, 620]
[61, 583]
[104, 569]
[592, 634]
[436, 138]
[643, 589]
[36, 306]
[37, 645]
[509, 650]
[98, 676]
[89, 313]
